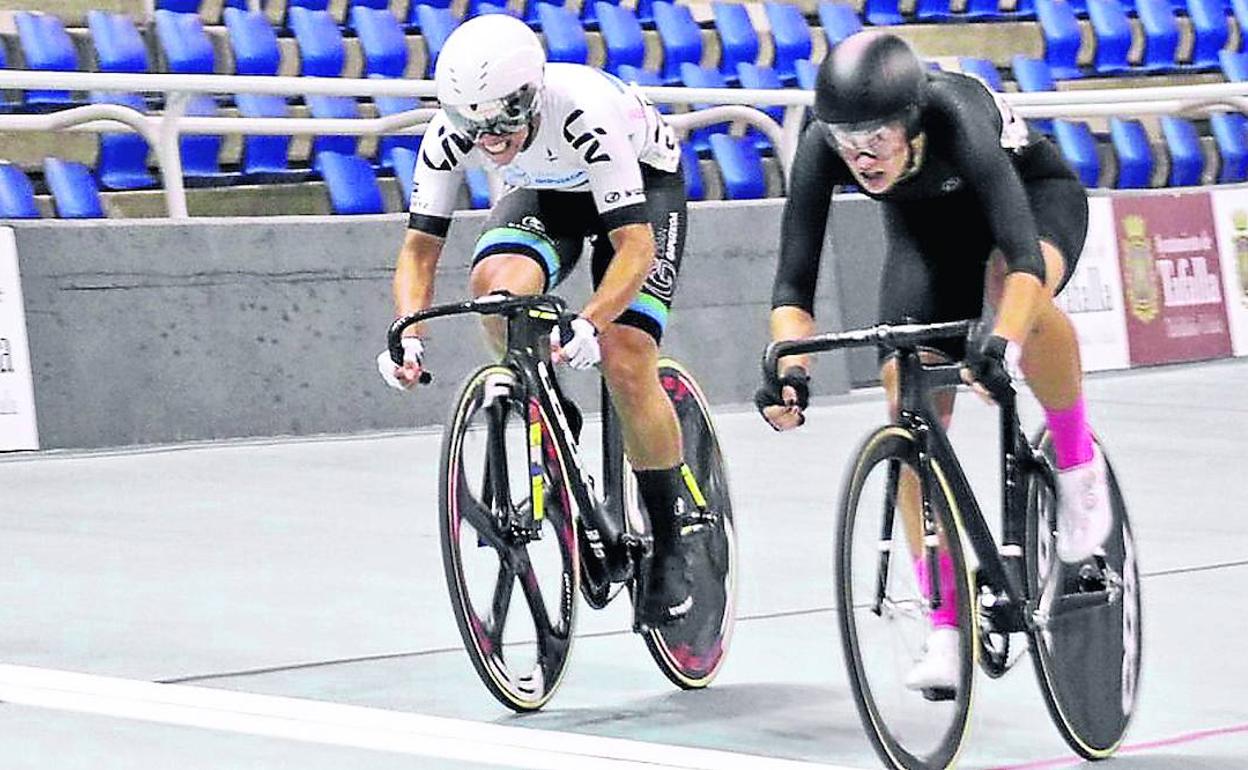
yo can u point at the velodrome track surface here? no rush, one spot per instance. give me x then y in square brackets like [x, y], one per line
[310, 570]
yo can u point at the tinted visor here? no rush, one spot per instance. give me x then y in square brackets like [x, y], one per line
[497, 117]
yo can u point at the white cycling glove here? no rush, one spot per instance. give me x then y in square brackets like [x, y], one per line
[413, 353]
[580, 352]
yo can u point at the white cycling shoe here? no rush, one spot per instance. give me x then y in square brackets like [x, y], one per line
[1084, 517]
[940, 667]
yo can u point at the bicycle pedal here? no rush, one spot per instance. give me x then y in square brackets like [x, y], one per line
[939, 694]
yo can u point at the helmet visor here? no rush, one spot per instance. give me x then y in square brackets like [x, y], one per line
[496, 117]
[881, 139]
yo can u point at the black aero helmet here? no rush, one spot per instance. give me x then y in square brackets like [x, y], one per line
[868, 77]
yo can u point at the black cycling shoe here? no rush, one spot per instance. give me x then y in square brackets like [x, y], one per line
[667, 597]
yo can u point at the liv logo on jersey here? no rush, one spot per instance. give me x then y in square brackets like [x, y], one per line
[448, 145]
[586, 139]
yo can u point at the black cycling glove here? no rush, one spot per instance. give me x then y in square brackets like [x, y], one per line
[795, 377]
[994, 365]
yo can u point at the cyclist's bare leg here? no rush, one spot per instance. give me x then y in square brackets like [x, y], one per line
[515, 273]
[630, 365]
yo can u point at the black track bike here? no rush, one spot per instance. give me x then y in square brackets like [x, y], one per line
[1081, 621]
[523, 530]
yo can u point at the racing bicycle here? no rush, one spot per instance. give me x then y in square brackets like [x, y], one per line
[1080, 621]
[523, 529]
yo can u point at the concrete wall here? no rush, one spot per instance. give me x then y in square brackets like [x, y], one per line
[155, 331]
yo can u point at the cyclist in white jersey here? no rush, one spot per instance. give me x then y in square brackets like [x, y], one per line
[581, 155]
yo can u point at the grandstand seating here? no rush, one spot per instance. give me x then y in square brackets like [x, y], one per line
[74, 191]
[714, 44]
[17, 194]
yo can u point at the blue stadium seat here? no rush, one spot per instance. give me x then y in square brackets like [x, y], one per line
[352, 184]
[311, 5]
[178, 6]
[1113, 36]
[404, 160]
[413, 11]
[381, 40]
[694, 76]
[1161, 34]
[1186, 159]
[791, 36]
[1078, 146]
[840, 20]
[122, 162]
[754, 76]
[184, 43]
[485, 9]
[982, 10]
[983, 69]
[932, 11]
[17, 194]
[478, 187]
[436, 25]
[1135, 156]
[45, 46]
[1230, 133]
[74, 192]
[645, 12]
[695, 187]
[322, 52]
[806, 73]
[1234, 65]
[264, 155]
[680, 37]
[1062, 38]
[118, 46]
[1210, 31]
[565, 37]
[740, 167]
[882, 13]
[1026, 9]
[1033, 75]
[253, 41]
[589, 13]
[351, 21]
[621, 32]
[738, 40]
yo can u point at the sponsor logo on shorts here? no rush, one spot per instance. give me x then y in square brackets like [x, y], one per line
[661, 282]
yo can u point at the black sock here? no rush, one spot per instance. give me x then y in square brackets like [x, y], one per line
[659, 490]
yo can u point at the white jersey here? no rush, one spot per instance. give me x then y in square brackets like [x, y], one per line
[593, 134]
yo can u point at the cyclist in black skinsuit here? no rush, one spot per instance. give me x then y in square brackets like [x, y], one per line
[978, 210]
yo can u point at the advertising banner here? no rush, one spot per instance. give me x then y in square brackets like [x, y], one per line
[1230, 215]
[17, 395]
[1093, 295]
[1171, 277]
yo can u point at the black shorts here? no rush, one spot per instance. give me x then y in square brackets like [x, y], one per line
[550, 227]
[937, 253]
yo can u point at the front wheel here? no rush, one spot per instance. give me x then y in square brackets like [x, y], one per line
[691, 652]
[884, 609]
[508, 541]
[1087, 638]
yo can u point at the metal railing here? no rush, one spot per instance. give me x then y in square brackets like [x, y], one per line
[162, 131]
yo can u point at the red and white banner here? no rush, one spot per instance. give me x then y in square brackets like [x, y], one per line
[17, 396]
[1093, 296]
[1172, 278]
[1230, 215]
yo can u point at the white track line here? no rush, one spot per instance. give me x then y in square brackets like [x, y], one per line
[361, 727]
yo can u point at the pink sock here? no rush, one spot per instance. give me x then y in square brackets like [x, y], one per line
[1072, 439]
[947, 615]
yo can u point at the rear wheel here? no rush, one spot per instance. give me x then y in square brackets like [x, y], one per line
[883, 611]
[1087, 642]
[690, 652]
[508, 542]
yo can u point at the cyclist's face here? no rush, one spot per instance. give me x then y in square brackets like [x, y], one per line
[503, 148]
[877, 156]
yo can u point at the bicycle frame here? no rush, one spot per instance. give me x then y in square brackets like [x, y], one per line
[1011, 607]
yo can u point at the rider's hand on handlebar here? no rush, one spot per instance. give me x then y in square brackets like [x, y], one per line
[403, 377]
[782, 405]
[991, 368]
[580, 350]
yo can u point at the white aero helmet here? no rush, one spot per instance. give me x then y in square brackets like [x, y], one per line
[489, 75]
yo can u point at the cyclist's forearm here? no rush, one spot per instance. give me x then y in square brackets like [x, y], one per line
[789, 322]
[1020, 299]
[634, 256]
[414, 272]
